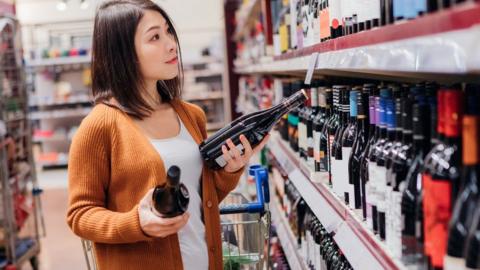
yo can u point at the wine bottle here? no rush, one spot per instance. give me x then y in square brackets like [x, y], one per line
[315, 109]
[411, 193]
[319, 123]
[375, 179]
[361, 140]
[254, 126]
[283, 123]
[171, 198]
[302, 126]
[383, 189]
[333, 125]
[337, 164]
[373, 135]
[466, 203]
[472, 257]
[441, 178]
[348, 139]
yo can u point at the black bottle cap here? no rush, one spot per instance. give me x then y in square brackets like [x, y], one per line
[419, 117]
[472, 92]
[173, 175]
[398, 113]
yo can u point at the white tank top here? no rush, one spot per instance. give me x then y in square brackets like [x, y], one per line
[183, 152]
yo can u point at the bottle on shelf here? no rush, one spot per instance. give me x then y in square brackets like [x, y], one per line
[376, 175]
[338, 172]
[411, 250]
[441, 176]
[254, 126]
[332, 127]
[348, 138]
[361, 140]
[170, 199]
[467, 201]
[319, 122]
[314, 111]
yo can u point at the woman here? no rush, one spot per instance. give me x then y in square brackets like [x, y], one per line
[138, 128]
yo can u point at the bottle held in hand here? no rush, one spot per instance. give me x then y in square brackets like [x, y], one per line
[171, 199]
[254, 126]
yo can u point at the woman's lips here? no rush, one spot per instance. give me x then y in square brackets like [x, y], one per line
[173, 61]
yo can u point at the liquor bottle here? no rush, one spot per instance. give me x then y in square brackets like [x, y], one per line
[466, 203]
[294, 12]
[171, 198]
[283, 123]
[314, 111]
[361, 140]
[254, 126]
[441, 178]
[374, 180]
[348, 139]
[336, 27]
[324, 144]
[332, 126]
[373, 134]
[472, 257]
[318, 124]
[302, 126]
[372, 17]
[337, 169]
[410, 195]
[400, 167]
[381, 170]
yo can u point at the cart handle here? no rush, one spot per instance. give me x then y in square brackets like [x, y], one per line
[260, 174]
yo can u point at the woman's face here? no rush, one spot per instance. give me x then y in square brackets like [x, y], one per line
[156, 48]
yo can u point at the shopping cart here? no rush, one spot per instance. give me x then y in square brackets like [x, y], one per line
[246, 226]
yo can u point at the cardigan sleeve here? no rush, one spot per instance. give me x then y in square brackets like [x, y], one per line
[88, 179]
[224, 181]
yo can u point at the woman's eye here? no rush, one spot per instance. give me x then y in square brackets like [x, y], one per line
[156, 37]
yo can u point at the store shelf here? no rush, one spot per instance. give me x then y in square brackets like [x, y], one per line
[361, 247]
[245, 17]
[204, 73]
[444, 42]
[67, 113]
[208, 96]
[69, 101]
[59, 61]
[287, 239]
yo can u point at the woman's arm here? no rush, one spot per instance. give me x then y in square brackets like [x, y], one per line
[89, 174]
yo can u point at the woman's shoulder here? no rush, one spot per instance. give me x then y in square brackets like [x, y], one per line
[101, 117]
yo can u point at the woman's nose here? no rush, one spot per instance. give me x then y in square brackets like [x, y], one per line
[171, 44]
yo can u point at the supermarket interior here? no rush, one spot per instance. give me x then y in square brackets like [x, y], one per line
[267, 134]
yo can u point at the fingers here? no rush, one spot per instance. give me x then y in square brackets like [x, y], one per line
[236, 154]
[174, 220]
[162, 227]
[246, 146]
[226, 154]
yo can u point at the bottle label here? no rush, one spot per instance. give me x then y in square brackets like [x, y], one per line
[380, 175]
[315, 25]
[396, 223]
[277, 46]
[325, 23]
[283, 33]
[452, 263]
[346, 190]
[368, 206]
[316, 145]
[437, 211]
[300, 41]
[373, 9]
[293, 23]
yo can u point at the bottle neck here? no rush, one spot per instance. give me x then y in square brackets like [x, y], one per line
[363, 125]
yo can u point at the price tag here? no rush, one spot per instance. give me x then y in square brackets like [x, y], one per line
[311, 68]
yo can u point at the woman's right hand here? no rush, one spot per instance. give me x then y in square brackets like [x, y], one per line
[155, 226]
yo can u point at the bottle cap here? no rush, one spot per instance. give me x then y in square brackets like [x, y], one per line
[383, 112]
[173, 175]
[407, 115]
[385, 93]
[441, 112]
[378, 113]
[419, 120]
[398, 113]
[353, 103]
[472, 91]
[470, 137]
[362, 105]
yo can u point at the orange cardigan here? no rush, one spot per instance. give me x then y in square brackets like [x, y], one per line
[111, 167]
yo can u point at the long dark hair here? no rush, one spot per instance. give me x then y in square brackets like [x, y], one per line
[115, 67]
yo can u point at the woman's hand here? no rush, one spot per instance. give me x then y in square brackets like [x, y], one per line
[234, 158]
[155, 226]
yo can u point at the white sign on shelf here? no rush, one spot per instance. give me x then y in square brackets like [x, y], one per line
[311, 67]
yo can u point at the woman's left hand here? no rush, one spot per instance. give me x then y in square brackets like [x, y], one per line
[235, 159]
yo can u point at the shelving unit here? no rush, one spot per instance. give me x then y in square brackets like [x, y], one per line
[361, 247]
[21, 206]
[245, 17]
[408, 49]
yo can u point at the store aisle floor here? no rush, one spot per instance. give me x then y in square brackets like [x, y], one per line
[61, 249]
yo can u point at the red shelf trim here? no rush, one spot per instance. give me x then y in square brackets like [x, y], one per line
[461, 17]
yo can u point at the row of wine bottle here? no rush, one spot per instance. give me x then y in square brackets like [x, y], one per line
[397, 153]
[318, 249]
[301, 23]
[278, 259]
